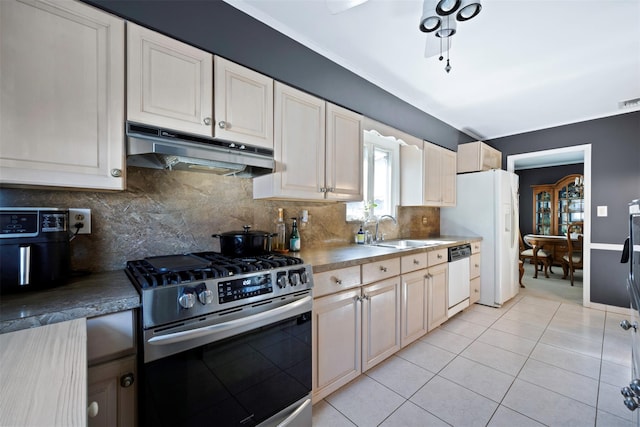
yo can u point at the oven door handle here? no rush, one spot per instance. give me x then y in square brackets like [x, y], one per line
[276, 313]
[293, 417]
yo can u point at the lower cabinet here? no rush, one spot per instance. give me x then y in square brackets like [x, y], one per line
[437, 292]
[474, 273]
[111, 387]
[414, 322]
[112, 381]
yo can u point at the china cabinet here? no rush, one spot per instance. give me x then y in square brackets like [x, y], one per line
[555, 206]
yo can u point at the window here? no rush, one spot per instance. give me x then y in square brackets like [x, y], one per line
[381, 181]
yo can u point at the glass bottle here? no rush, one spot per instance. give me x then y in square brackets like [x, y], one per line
[294, 240]
[280, 239]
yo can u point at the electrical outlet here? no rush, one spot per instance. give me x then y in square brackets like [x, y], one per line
[80, 218]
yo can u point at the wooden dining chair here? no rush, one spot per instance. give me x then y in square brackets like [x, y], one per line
[544, 257]
[572, 260]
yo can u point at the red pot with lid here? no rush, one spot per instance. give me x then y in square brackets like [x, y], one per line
[245, 243]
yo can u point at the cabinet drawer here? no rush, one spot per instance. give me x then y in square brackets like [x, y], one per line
[379, 270]
[110, 336]
[437, 257]
[333, 281]
[474, 266]
[413, 262]
[474, 290]
[475, 247]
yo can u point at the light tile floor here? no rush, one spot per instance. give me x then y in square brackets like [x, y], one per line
[535, 361]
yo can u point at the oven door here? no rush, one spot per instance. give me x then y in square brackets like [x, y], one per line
[259, 372]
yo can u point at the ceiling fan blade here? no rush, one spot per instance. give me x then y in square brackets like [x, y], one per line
[338, 6]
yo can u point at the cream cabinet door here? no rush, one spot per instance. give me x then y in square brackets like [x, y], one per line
[440, 176]
[299, 144]
[437, 295]
[116, 398]
[336, 342]
[61, 95]
[169, 83]
[243, 104]
[343, 175]
[414, 306]
[380, 321]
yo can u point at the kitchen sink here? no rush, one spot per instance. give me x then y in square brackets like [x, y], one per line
[408, 244]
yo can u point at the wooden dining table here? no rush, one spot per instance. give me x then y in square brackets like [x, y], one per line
[537, 241]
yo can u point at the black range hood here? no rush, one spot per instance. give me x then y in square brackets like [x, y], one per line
[158, 148]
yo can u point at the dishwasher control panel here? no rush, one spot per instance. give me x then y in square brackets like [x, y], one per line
[459, 252]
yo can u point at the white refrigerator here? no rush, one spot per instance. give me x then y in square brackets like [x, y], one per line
[487, 206]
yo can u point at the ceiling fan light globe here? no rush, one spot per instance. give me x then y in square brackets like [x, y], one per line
[447, 28]
[447, 7]
[445, 32]
[430, 24]
[468, 9]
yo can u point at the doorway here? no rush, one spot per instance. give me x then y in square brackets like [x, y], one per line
[562, 156]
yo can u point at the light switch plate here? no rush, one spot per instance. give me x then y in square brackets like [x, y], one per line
[602, 211]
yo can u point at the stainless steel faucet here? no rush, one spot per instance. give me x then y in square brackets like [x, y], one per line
[377, 237]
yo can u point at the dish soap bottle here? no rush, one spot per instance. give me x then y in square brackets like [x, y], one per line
[360, 236]
[294, 240]
[280, 242]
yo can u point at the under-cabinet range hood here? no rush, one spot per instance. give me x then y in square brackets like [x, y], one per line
[157, 148]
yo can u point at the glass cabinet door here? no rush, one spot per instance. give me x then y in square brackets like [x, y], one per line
[570, 204]
[542, 210]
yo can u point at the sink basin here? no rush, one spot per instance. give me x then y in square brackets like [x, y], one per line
[408, 244]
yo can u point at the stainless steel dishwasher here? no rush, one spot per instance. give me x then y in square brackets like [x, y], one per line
[458, 278]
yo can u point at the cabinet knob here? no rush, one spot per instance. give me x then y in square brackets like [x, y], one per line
[416, 262]
[222, 124]
[126, 380]
[439, 256]
[207, 121]
[92, 409]
[383, 268]
[338, 281]
[116, 173]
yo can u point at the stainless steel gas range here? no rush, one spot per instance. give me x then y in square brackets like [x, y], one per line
[225, 341]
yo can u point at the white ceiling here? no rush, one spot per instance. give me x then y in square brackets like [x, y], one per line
[520, 65]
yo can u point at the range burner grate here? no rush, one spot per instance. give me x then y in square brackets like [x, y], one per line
[164, 271]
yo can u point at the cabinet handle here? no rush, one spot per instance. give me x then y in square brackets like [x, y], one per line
[323, 190]
[416, 262]
[222, 124]
[116, 173]
[126, 380]
[365, 297]
[477, 265]
[207, 121]
[92, 409]
[338, 282]
[439, 256]
[626, 325]
[383, 268]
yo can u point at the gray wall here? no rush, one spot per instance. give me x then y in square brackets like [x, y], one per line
[615, 179]
[217, 27]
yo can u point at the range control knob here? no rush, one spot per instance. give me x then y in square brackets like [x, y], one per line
[205, 296]
[303, 277]
[294, 278]
[188, 298]
[282, 280]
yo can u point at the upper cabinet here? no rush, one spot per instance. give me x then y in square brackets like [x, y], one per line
[243, 101]
[177, 86]
[478, 156]
[61, 95]
[169, 83]
[428, 175]
[317, 150]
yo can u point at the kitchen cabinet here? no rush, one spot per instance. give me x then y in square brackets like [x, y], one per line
[317, 150]
[355, 327]
[477, 156]
[243, 104]
[414, 310]
[555, 206]
[111, 356]
[169, 83]
[474, 273]
[437, 290]
[380, 321]
[435, 172]
[61, 95]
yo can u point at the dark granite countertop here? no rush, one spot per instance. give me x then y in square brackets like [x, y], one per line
[88, 296]
[109, 292]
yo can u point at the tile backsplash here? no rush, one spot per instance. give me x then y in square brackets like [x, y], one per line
[168, 212]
